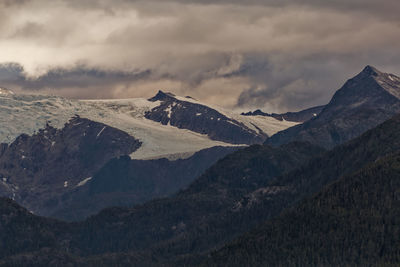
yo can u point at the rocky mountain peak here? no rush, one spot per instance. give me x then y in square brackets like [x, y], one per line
[369, 85]
[377, 75]
[362, 103]
[162, 96]
[371, 71]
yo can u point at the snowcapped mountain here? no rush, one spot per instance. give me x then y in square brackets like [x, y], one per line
[178, 138]
[67, 158]
[35, 169]
[362, 103]
[76, 171]
[216, 123]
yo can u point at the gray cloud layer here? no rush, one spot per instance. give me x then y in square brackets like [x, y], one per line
[270, 54]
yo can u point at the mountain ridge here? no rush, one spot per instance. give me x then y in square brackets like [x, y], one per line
[363, 102]
[299, 116]
[184, 113]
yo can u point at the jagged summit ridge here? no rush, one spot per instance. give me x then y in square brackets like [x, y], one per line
[387, 81]
[371, 70]
[369, 86]
[161, 96]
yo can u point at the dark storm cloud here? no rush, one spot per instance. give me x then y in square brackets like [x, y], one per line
[276, 55]
[80, 77]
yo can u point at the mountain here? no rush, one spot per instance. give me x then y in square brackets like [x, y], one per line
[125, 182]
[29, 113]
[187, 113]
[141, 227]
[299, 116]
[36, 170]
[235, 195]
[363, 102]
[240, 192]
[84, 167]
[352, 222]
[60, 157]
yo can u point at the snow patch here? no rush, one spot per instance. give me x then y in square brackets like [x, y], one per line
[101, 131]
[169, 111]
[84, 181]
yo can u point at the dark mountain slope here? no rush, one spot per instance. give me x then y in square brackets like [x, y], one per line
[156, 222]
[361, 104]
[188, 217]
[353, 222]
[233, 196]
[123, 182]
[299, 116]
[202, 119]
[270, 197]
[36, 170]
[22, 232]
[76, 171]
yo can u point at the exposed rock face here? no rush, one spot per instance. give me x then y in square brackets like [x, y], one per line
[36, 170]
[300, 116]
[202, 119]
[361, 104]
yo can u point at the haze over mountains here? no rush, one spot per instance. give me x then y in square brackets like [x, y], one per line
[321, 189]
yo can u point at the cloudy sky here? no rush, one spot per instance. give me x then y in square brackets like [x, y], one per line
[277, 55]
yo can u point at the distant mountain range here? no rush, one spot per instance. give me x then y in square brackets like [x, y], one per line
[300, 116]
[324, 192]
